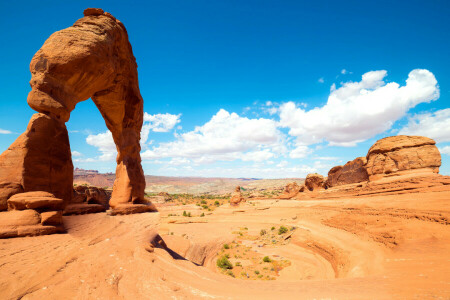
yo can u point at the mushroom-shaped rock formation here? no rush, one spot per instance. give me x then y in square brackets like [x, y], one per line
[236, 197]
[398, 155]
[91, 59]
[314, 182]
[352, 172]
[290, 190]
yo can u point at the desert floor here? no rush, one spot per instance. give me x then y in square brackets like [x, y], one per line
[381, 247]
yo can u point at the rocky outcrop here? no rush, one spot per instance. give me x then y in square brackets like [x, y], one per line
[31, 213]
[352, 172]
[88, 199]
[236, 197]
[314, 182]
[291, 190]
[91, 59]
[397, 155]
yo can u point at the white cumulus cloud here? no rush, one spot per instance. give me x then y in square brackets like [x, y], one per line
[445, 150]
[434, 125]
[227, 136]
[4, 131]
[359, 110]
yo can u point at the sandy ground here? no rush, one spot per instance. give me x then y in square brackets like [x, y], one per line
[383, 247]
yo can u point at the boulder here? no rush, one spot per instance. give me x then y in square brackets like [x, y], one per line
[291, 190]
[314, 182]
[397, 154]
[236, 197]
[16, 218]
[352, 172]
[83, 208]
[51, 218]
[35, 200]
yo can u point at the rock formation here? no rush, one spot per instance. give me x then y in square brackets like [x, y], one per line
[397, 155]
[236, 197]
[291, 190]
[88, 199]
[31, 213]
[314, 182]
[91, 59]
[352, 172]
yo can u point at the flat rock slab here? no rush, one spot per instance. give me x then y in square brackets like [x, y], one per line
[29, 230]
[82, 208]
[126, 209]
[35, 200]
[16, 218]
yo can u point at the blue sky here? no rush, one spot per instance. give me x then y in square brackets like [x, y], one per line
[252, 88]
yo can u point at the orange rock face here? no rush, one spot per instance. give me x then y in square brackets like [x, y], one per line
[314, 182]
[399, 154]
[91, 59]
[291, 190]
[236, 197]
[352, 172]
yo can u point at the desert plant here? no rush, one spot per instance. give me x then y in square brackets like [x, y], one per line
[266, 259]
[282, 230]
[256, 272]
[273, 228]
[184, 214]
[224, 263]
[230, 273]
[262, 232]
[226, 246]
[202, 215]
[216, 203]
[203, 202]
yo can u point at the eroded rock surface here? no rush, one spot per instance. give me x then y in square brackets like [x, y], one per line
[91, 59]
[352, 172]
[397, 154]
[236, 197]
[291, 190]
[314, 182]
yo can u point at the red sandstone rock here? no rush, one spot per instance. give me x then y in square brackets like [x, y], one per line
[51, 218]
[352, 172]
[126, 209]
[291, 190]
[19, 218]
[314, 182]
[91, 59]
[395, 154]
[35, 200]
[236, 197]
[39, 160]
[83, 208]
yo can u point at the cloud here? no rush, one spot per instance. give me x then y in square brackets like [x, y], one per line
[76, 154]
[360, 110]
[226, 137]
[434, 125]
[4, 131]
[158, 123]
[344, 71]
[104, 143]
[445, 150]
[321, 80]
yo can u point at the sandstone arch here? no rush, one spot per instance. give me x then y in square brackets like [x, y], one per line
[91, 59]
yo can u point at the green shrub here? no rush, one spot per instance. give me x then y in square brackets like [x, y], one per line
[202, 215]
[203, 202]
[273, 228]
[282, 230]
[266, 259]
[226, 246]
[224, 263]
[256, 272]
[216, 203]
[262, 232]
[184, 214]
[238, 264]
[230, 273]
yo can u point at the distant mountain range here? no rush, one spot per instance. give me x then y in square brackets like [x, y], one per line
[190, 185]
